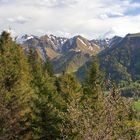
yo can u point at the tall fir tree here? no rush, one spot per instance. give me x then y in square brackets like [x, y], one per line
[68, 86]
[93, 84]
[15, 92]
[48, 103]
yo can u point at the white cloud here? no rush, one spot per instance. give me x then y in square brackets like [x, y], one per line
[19, 19]
[91, 18]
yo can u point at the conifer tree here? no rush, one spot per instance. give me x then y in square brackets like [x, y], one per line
[68, 86]
[45, 122]
[48, 66]
[15, 91]
[93, 84]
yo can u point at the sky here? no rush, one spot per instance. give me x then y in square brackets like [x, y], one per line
[89, 18]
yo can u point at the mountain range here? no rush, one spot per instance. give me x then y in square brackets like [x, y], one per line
[121, 61]
[118, 56]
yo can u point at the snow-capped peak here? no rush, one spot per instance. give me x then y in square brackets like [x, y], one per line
[24, 38]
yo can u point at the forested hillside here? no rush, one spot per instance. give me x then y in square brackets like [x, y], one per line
[121, 64]
[37, 105]
[122, 60]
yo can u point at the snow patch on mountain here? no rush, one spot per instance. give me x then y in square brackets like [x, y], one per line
[82, 42]
[24, 38]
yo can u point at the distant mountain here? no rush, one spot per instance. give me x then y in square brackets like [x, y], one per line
[121, 61]
[65, 54]
[118, 56]
[75, 52]
[80, 44]
[50, 41]
[54, 46]
[50, 44]
[53, 42]
[107, 42]
[114, 41]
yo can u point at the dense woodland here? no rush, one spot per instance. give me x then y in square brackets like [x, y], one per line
[37, 105]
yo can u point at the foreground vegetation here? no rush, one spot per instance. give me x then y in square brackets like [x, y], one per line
[36, 105]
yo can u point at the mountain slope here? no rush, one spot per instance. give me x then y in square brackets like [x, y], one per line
[121, 61]
[125, 55]
[50, 44]
[107, 42]
[79, 43]
[75, 53]
[70, 62]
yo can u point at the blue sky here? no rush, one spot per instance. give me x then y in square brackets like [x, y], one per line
[90, 18]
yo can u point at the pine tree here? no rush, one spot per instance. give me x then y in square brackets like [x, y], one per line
[15, 91]
[68, 86]
[93, 84]
[48, 66]
[48, 102]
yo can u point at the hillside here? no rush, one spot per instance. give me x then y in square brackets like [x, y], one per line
[121, 61]
[75, 53]
[70, 62]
